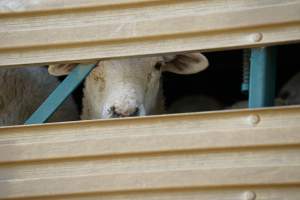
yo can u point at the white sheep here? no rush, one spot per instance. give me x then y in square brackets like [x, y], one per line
[195, 103]
[130, 86]
[23, 90]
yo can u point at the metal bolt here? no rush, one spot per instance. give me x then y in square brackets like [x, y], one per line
[249, 195]
[253, 119]
[256, 37]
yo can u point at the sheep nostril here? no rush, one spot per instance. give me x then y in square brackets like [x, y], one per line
[112, 109]
[113, 112]
[135, 112]
[116, 114]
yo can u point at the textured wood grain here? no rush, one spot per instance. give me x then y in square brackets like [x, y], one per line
[82, 30]
[218, 155]
[11, 7]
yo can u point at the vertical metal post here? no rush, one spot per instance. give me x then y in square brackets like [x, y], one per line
[60, 94]
[262, 77]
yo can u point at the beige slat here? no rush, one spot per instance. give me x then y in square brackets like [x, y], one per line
[151, 134]
[151, 180]
[142, 163]
[26, 6]
[146, 29]
[147, 144]
[261, 193]
[152, 28]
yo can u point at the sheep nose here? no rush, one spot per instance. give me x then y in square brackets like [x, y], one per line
[117, 114]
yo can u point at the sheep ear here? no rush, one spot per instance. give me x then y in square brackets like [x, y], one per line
[185, 63]
[61, 69]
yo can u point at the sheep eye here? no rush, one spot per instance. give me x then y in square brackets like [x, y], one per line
[158, 66]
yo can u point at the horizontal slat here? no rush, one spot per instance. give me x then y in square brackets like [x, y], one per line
[189, 24]
[27, 6]
[130, 144]
[173, 161]
[149, 28]
[244, 193]
[215, 155]
[150, 134]
[151, 180]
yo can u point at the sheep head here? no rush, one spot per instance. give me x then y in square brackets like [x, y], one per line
[129, 86]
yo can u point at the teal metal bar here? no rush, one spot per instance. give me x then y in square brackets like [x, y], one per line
[262, 77]
[60, 94]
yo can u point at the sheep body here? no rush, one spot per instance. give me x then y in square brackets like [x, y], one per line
[23, 90]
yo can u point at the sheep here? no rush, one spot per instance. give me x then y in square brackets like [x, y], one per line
[195, 103]
[289, 94]
[125, 87]
[23, 90]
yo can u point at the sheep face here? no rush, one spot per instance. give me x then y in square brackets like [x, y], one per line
[122, 88]
[130, 86]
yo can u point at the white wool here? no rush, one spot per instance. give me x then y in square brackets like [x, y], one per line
[23, 90]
